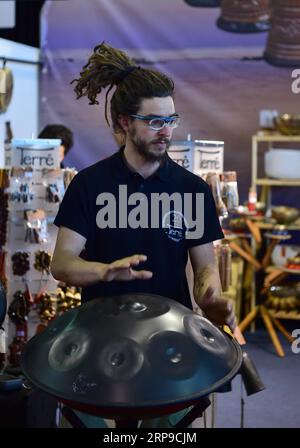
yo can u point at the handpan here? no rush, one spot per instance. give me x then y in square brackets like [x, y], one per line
[134, 354]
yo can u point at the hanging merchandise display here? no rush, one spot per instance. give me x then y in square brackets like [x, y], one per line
[7, 144]
[4, 182]
[30, 192]
[52, 304]
[68, 174]
[19, 309]
[18, 314]
[20, 263]
[3, 279]
[42, 261]
[6, 87]
[21, 185]
[54, 185]
[67, 298]
[17, 346]
[46, 307]
[36, 226]
[3, 218]
[3, 307]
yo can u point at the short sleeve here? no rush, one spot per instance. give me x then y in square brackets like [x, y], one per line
[75, 211]
[211, 225]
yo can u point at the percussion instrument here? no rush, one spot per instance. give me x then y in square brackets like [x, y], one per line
[245, 16]
[131, 356]
[283, 48]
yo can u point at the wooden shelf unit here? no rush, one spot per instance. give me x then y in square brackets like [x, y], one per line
[270, 138]
[293, 315]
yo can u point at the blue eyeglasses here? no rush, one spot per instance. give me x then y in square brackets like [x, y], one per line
[157, 123]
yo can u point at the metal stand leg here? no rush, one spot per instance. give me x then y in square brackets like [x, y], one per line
[195, 412]
[72, 418]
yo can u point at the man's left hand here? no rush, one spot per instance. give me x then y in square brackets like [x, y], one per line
[219, 311]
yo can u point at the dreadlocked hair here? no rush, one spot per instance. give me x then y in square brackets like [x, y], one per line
[109, 67]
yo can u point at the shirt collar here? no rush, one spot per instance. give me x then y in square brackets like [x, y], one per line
[122, 171]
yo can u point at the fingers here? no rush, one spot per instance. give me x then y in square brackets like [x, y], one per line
[135, 260]
[141, 275]
[210, 302]
[218, 310]
[127, 274]
[127, 262]
[231, 320]
[122, 269]
[208, 296]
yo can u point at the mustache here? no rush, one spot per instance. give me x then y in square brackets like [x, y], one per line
[161, 140]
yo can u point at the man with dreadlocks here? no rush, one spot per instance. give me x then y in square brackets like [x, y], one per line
[97, 212]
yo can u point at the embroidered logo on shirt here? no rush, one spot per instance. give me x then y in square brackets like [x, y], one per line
[175, 225]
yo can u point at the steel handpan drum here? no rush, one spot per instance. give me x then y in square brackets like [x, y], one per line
[129, 354]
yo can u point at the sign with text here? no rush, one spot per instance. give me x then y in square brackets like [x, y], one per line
[208, 156]
[183, 154]
[36, 153]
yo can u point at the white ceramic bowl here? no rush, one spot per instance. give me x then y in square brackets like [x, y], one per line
[283, 163]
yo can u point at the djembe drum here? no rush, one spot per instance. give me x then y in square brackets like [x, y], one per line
[245, 16]
[283, 44]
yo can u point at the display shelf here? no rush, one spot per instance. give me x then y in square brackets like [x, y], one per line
[293, 315]
[290, 271]
[270, 226]
[275, 137]
[270, 138]
[233, 236]
[268, 181]
[272, 268]
[28, 192]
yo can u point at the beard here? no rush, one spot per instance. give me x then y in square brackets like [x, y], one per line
[147, 149]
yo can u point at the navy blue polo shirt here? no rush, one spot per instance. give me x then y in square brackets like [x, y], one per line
[93, 200]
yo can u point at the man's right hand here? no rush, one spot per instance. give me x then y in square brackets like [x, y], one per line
[122, 270]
